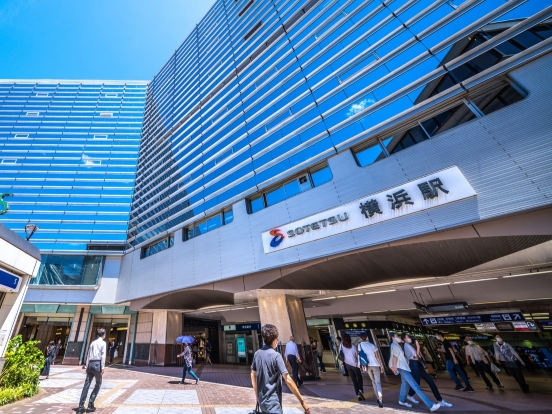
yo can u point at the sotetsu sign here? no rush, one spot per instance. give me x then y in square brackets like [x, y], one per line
[442, 187]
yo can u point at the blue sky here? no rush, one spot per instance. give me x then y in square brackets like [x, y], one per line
[94, 39]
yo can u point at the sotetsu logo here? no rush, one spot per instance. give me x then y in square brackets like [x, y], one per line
[278, 238]
[4, 206]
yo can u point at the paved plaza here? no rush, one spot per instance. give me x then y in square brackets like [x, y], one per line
[225, 389]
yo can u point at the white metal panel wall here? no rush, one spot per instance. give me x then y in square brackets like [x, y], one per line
[506, 156]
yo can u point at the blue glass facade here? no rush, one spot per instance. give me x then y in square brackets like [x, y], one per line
[68, 154]
[262, 91]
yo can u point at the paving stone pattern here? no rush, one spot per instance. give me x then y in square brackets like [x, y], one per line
[225, 389]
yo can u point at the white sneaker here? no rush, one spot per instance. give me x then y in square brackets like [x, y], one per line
[405, 404]
[435, 407]
[412, 400]
[445, 404]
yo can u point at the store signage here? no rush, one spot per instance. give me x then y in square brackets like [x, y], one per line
[545, 323]
[460, 319]
[532, 325]
[447, 307]
[242, 327]
[442, 187]
[520, 326]
[504, 326]
[4, 206]
[9, 282]
[486, 327]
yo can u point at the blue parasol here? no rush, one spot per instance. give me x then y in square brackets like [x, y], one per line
[185, 339]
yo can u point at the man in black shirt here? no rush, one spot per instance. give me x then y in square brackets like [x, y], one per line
[453, 368]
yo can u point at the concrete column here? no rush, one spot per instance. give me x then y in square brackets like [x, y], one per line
[287, 314]
[166, 327]
[77, 334]
[8, 316]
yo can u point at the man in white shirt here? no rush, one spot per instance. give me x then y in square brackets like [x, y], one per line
[95, 364]
[374, 365]
[293, 358]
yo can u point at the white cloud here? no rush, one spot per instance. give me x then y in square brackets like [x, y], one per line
[360, 106]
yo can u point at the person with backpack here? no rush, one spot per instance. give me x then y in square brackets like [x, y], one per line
[370, 362]
[507, 356]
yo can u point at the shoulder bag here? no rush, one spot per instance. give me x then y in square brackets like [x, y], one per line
[257, 410]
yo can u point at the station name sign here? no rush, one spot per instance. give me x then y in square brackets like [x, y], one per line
[429, 320]
[9, 282]
[442, 187]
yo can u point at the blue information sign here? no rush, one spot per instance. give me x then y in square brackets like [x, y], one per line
[242, 327]
[8, 280]
[461, 319]
[240, 342]
[545, 323]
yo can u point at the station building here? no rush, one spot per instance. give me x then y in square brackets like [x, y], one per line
[331, 166]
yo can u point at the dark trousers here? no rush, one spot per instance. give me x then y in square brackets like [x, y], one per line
[454, 369]
[484, 368]
[417, 370]
[321, 364]
[345, 369]
[515, 371]
[356, 376]
[294, 369]
[93, 370]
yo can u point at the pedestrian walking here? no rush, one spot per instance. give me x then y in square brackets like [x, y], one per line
[338, 348]
[195, 351]
[267, 371]
[373, 366]
[293, 359]
[314, 349]
[188, 363]
[349, 357]
[412, 353]
[506, 355]
[49, 359]
[475, 355]
[58, 347]
[112, 348]
[453, 367]
[95, 365]
[399, 365]
[208, 349]
[320, 350]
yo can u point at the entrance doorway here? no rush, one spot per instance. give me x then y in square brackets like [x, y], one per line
[115, 331]
[46, 329]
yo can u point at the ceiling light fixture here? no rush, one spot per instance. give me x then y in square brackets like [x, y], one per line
[381, 291]
[331, 297]
[478, 280]
[349, 296]
[428, 286]
[527, 274]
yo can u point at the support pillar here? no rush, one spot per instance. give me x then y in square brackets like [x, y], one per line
[77, 336]
[287, 314]
[166, 327]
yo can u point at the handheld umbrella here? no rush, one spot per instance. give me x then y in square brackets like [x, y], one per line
[185, 339]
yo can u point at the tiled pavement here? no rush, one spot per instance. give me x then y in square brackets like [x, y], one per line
[227, 390]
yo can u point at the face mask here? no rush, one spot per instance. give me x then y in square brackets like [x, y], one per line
[470, 342]
[499, 340]
[397, 340]
[408, 340]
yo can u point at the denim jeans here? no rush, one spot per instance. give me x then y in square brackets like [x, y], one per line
[186, 370]
[418, 372]
[454, 369]
[407, 382]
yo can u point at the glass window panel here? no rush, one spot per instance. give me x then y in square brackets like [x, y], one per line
[68, 271]
[448, 119]
[214, 222]
[322, 176]
[257, 204]
[292, 188]
[370, 155]
[275, 196]
[495, 100]
[228, 217]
